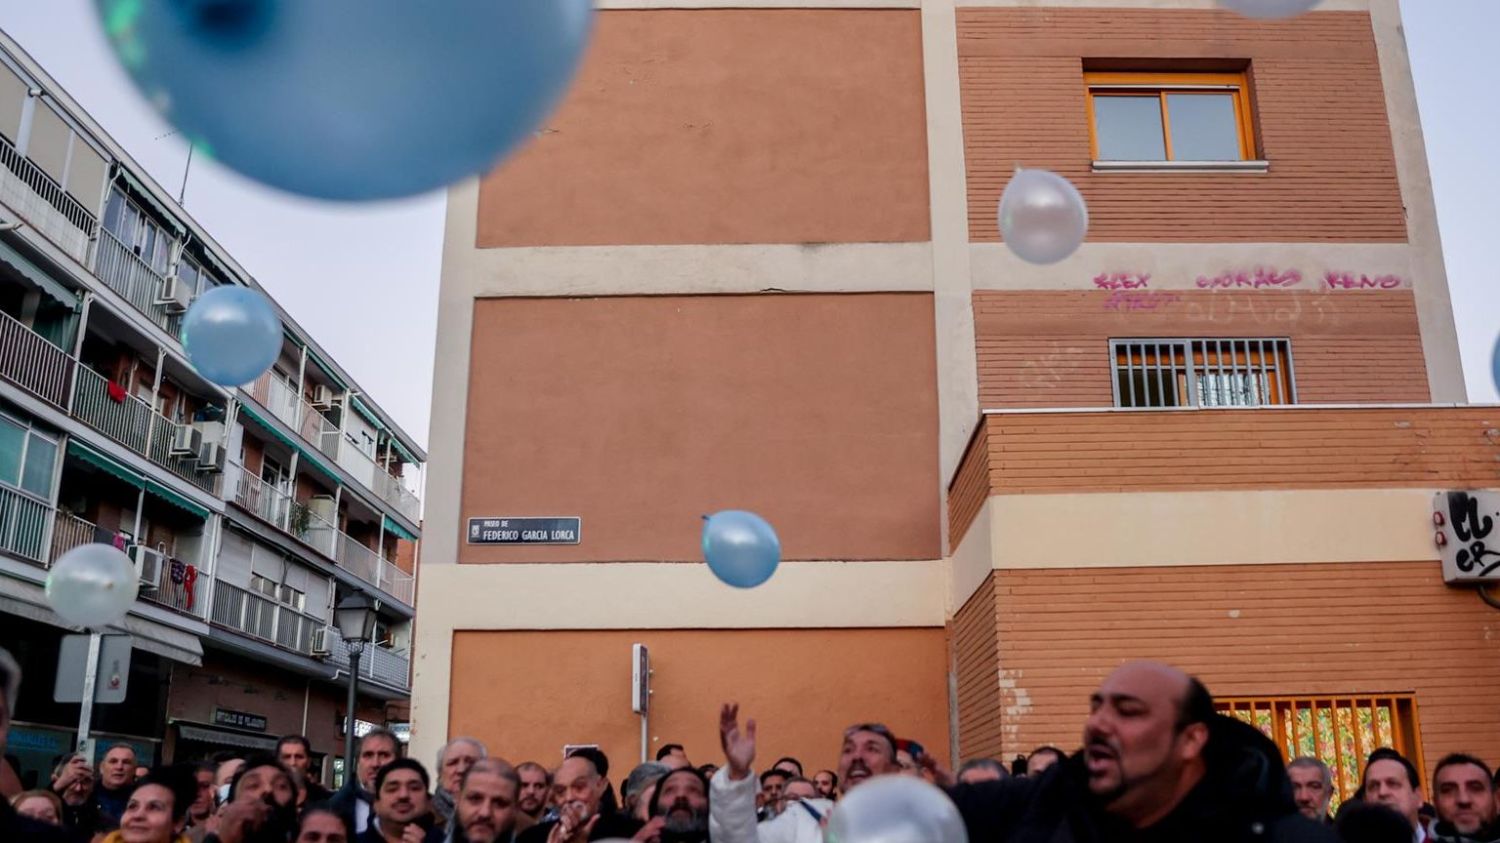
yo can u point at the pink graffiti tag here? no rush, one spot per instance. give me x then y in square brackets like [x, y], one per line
[1347, 281]
[1132, 300]
[1122, 280]
[1255, 280]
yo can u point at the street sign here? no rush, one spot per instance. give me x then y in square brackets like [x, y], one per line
[239, 720]
[640, 678]
[565, 530]
[72, 664]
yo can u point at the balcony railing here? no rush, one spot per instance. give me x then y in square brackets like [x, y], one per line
[296, 519]
[275, 395]
[172, 589]
[44, 204]
[394, 492]
[23, 525]
[68, 532]
[131, 422]
[258, 616]
[388, 666]
[33, 363]
[118, 266]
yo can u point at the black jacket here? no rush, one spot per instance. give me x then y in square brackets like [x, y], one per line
[1244, 797]
[1444, 833]
[610, 825]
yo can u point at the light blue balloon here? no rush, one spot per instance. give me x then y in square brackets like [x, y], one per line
[231, 335]
[352, 99]
[740, 548]
[1495, 364]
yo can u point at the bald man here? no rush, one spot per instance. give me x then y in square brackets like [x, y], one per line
[1157, 764]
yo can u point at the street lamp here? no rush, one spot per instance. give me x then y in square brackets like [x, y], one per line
[355, 618]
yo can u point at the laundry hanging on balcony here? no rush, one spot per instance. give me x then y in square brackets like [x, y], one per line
[116, 392]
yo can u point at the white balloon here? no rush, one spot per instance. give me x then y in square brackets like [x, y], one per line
[1043, 217]
[1270, 8]
[895, 809]
[92, 585]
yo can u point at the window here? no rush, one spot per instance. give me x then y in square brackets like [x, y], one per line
[138, 232]
[1339, 731]
[1202, 373]
[1190, 117]
[28, 458]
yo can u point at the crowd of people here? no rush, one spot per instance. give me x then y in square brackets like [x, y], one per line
[1157, 764]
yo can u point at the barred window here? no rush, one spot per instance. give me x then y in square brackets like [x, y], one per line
[1202, 372]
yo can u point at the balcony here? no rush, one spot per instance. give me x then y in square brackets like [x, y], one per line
[131, 422]
[258, 616]
[43, 203]
[32, 363]
[119, 267]
[383, 664]
[297, 520]
[388, 488]
[172, 587]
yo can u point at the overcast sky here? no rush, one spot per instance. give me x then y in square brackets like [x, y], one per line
[363, 278]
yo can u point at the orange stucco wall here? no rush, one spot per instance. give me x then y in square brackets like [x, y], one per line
[640, 414]
[727, 126]
[526, 694]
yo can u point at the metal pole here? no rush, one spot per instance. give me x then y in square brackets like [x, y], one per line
[90, 680]
[354, 653]
[645, 737]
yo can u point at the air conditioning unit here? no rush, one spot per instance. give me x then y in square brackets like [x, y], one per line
[211, 457]
[175, 296]
[322, 397]
[320, 642]
[187, 441]
[148, 565]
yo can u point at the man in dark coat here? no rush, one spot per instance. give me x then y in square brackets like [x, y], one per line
[1157, 765]
[582, 814]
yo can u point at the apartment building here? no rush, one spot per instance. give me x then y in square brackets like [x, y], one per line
[248, 512]
[753, 262]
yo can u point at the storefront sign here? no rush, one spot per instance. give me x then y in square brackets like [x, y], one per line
[525, 530]
[1466, 534]
[239, 720]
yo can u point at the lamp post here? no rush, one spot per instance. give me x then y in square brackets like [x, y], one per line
[355, 618]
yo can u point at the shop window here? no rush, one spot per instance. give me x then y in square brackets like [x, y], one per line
[1202, 373]
[1340, 731]
[1183, 117]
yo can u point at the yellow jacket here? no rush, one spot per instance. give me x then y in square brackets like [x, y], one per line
[115, 837]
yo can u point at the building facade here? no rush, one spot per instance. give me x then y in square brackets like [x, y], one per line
[248, 512]
[753, 262]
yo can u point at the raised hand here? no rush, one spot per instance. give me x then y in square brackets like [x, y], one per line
[739, 747]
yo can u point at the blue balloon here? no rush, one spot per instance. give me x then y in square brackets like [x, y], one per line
[231, 335]
[740, 548]
[352, 99]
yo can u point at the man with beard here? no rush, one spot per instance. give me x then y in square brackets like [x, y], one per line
[403, 811]
[1157, 765]
[262, 806]
[453, 760]
[1466, 811]
[580, 788]
[486, 809]
[869, 749]
[679, 809]
[536, 783]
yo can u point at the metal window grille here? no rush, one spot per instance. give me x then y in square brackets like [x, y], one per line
[1339, 731]
[1202, 372]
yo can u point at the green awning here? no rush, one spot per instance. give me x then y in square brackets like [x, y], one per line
[105, 463]
[327, 370]
[171, 497]
[145, 195]
[374, 420]
[33, 273]
[393, 527]
[307, 455]
[110, 465]
[410, 457]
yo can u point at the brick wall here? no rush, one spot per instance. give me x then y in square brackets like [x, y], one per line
[1318, 98]
[975, 641]
[1051, 348]
[1293, 630]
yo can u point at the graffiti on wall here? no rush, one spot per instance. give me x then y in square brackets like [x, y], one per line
[1347, 281]
[1134, 300]
[1253, 279]
[1122, 280]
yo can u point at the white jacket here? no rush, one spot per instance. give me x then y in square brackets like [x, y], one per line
[731, 815]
